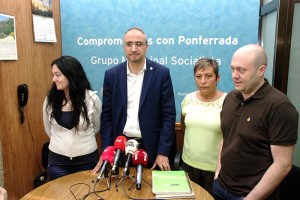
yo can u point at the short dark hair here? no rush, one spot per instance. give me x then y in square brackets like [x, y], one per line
[203, 63]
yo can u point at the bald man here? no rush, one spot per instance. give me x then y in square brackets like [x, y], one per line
[259, 125]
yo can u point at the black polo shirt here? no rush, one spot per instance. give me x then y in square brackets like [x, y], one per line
[249, 128]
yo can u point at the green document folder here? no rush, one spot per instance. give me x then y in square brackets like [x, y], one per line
[170, 182]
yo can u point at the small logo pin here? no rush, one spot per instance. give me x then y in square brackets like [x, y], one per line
[151, 68]
[248, 119]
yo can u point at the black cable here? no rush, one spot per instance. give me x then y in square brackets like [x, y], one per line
[99, 191]
[134, 198]
[89, 189]
[88, 193]
[22, 116]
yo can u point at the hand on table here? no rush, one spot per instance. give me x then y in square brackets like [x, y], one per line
[162, 162]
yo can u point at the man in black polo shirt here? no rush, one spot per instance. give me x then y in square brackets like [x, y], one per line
[259, 126]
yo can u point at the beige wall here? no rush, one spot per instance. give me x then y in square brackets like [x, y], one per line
[22, 143]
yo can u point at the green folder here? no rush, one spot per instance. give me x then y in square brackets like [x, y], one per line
[170, 182]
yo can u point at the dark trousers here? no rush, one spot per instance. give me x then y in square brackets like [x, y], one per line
[220, 193]
[141, 146]
[150, 162]
[201, 177]
[56, 171]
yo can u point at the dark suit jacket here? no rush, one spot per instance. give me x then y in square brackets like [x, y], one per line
[157, 112]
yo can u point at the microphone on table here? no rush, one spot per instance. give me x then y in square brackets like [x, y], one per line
[119, 147]
[140, 160]
[107, 158]
[131, 146]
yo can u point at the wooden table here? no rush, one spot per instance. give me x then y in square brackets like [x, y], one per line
[83, 184]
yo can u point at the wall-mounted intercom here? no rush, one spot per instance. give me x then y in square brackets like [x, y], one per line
[22, 99]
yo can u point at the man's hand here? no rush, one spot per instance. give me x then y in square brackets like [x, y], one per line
[162, 162]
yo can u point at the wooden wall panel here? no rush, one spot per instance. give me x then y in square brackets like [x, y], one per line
[22, 143]
[179, 136]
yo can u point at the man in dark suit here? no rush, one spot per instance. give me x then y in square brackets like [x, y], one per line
[138, 101]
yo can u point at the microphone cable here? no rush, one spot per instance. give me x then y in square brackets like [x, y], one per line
[89, 191]
[134, 198]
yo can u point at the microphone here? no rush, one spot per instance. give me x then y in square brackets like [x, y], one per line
[140, 159]
[119, 146]
[107, 158]
[131, 146]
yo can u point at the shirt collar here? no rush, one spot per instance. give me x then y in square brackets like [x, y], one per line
[144, 68]
[260, 93]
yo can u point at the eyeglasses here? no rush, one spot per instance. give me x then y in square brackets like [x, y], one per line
[137, 44]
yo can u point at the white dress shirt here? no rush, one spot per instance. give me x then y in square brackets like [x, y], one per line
[134, 89]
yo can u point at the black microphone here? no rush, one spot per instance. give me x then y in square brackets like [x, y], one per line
[107, 158]
[140, 159]
[131, 146]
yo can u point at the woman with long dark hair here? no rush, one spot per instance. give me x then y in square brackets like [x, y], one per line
[71, 116]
